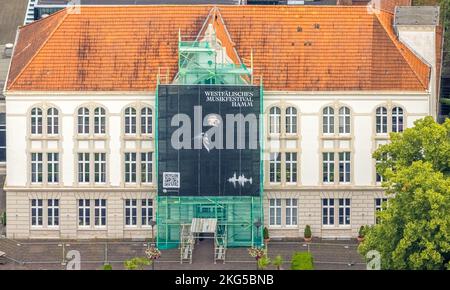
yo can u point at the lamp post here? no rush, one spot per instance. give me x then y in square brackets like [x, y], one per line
[257, 224]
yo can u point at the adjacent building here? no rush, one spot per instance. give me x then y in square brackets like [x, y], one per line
[81, 109]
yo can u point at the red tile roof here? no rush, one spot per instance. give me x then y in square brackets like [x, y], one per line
[310, 48]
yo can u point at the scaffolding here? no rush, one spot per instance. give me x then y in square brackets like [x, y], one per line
[239, 218]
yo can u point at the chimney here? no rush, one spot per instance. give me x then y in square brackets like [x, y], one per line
[416, 27]
[389, 5]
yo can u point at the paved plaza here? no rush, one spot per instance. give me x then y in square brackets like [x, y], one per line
[40, 255]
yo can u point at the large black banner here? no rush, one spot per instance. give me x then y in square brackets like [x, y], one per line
[208, 140]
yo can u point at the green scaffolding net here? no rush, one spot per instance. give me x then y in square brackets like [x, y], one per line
[239, 218]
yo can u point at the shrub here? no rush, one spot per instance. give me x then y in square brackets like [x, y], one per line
[3, 219]
[137, 263]
[302, 261]
[362, 232]
[308, 233]
[278, 262]
[263, 263]
[107, 267]
[266, 233]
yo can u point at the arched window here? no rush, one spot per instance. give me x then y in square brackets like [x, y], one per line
[146, 120]
[344, 120]
[381, 120]
[83, 120]
[291, 120]
[52, 121]
[328, 120]
[397, 119]
[130, 120]
[274, 120]
[99, 121]
[36, 121]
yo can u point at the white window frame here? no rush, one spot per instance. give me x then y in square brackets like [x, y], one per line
[53, 167]
[274, 120]
[328, 212]
[130, 160]
[345, 212]
[100, 168]
[275, 212]
[291, 120]
[36, 121]
[380, 204]
[275, 168]
[147, 211]
[328, 120]
[37, 168]
[52, 121]
[131, 213]
[291, 167]
[345, 167]
[146, 167]
[3, 131]
[37, 213]
[328, 168]
[398, 119]
[53, 213]
[85, 164]
[146, 121]
[83, 121]
[84, 213]
[100, 213]
[344, 120]
[291, 212]
[99, 121]
[130, 120]
[381, 120]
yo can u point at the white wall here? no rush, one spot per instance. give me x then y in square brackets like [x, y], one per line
[309, 106]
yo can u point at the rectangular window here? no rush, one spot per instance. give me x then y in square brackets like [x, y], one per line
[146, 211]
[146, 167]
[53, 212]
[275, 212]
[36, 167]
[344, 211]
[328, 167]
[84, 212]
[130, 167]
[100, 167]
[36, 212]
[100, 212]
[344, 167]
[380, 205]
[291, 212]
[378, 177]
[52, 167]
[275, 167]
[291, 167]
[327, 211]
[83, 167]
[2, 137]
[131, 212]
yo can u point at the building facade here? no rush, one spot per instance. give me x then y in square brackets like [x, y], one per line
[81, 113]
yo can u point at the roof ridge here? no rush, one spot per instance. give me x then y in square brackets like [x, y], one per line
[398, 46]
[63, 17]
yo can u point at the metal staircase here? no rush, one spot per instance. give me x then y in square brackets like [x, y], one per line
[220, 244]
[187, 242]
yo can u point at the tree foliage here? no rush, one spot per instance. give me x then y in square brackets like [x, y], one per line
[414, 229]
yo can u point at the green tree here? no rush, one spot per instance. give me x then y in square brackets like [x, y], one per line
[414, 229]
[137, 263]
